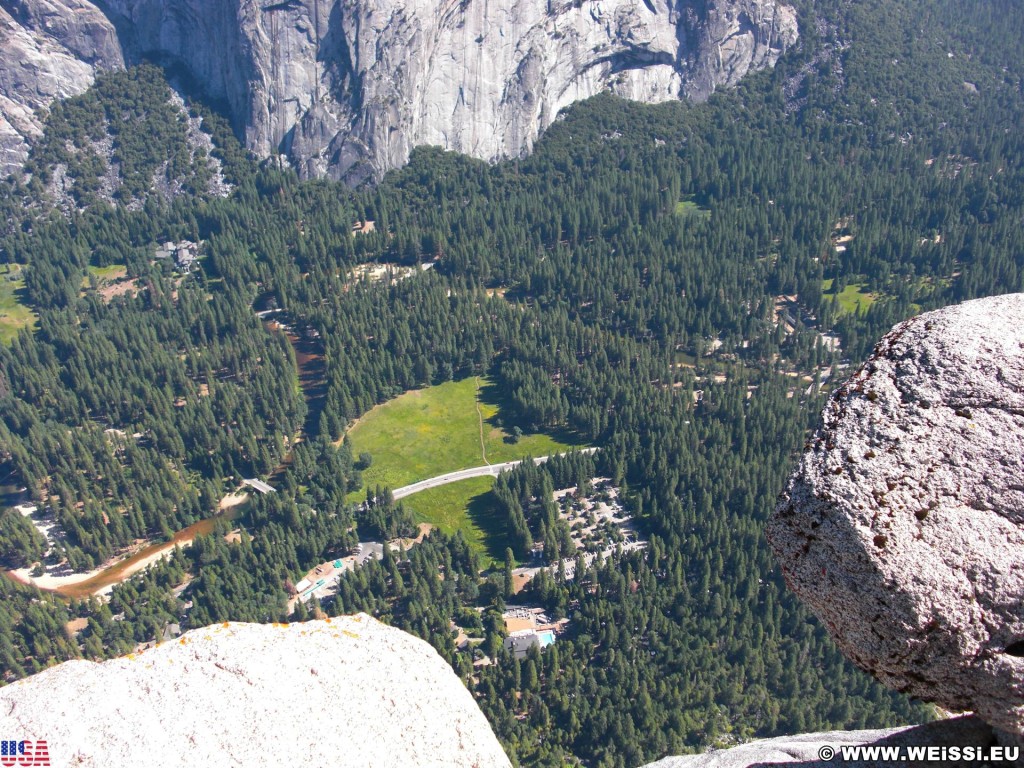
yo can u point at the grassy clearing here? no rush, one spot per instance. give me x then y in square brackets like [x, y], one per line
[428, 432]
[108, 274]
[466, 506]
[852, 295]
[685, 360]
[14, 315]
[686, 208]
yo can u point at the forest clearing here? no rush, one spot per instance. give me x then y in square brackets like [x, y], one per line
[853, 299]
[427, 432]
[14, 315]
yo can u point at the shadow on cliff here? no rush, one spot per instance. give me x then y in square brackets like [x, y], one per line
[335, 55]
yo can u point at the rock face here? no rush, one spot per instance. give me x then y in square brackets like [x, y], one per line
[51, 49]
[348, 87]
[903, 527]
[805, 749]
[350, 691]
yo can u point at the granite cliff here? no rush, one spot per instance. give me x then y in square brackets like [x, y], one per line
[348, 87]
[51, 50]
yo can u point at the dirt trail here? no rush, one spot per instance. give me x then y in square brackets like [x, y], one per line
[480, 419]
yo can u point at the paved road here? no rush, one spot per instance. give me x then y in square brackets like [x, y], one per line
[465, 474]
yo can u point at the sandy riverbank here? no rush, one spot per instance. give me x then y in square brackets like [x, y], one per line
[53, 583]
[125, 565]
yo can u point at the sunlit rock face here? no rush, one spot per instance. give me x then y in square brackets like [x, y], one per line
[808, 750]
[347, 691]
[903, 526]
[348, 87]
[51, 49]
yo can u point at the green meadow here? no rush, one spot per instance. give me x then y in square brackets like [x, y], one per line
[14, 315]
[688, 207]
[466, 506]
[431, 431]
[850, 297]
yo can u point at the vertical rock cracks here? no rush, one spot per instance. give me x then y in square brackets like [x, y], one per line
[346, 88]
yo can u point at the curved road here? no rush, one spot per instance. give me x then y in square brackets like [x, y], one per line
[465, 474]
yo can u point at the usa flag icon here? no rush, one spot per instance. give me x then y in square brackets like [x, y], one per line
[23, 753]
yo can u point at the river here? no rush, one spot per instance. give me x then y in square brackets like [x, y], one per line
[312, 369]
[124, 569]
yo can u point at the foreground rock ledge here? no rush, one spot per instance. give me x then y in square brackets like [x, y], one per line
[902, 526]
[348, 691]
[806, 749]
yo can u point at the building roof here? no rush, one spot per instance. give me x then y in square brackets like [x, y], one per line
[259, 485]
[520, 642]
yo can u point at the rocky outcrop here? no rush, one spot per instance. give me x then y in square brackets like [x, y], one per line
[51, 50]
[348, 691]
[903, 526]
[349, 87]
[808, 749]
